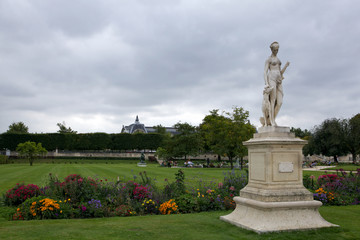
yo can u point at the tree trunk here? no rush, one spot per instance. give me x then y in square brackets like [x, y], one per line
[241, 162]
[354, 158]
[231, 162]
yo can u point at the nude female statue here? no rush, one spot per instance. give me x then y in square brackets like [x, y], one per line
[273, 75]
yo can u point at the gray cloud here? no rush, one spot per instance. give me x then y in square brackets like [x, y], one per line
[98, 64]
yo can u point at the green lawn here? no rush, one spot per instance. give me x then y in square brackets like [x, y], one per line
[185, 226]
[346, 167]
[11, 174]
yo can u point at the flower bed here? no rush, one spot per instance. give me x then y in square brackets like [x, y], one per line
[342, 188]
[80, 197]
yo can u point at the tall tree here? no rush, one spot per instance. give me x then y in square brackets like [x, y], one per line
[225, 133]
[329, 138]
[187, 143]
[352, 138]
[64, 129]
[18, 127]
[31, 150]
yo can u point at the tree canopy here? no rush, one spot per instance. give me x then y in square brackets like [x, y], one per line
[329, 138]
[64, 129]
[352, 137]
[224, 134]
[18, 128]
[31, 150]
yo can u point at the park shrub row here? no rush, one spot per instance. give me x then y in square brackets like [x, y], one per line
[80, 197]
[85, 141]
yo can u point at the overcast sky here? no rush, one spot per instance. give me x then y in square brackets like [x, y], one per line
[98, 64]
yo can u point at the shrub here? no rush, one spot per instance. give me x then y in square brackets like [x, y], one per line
[141, 192]
[42, 207]
[75, 187]
[124, 211]
[19, 194]
[168, 207]
[235, 179]
[187, 203]
[327, 178]
[339, 189]
[149, 207]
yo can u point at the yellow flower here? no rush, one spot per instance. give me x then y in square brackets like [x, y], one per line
[18, 209]
[60, 211]
[69, 199]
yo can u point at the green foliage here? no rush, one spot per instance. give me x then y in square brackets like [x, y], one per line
[64, 129]
[329, 138]
[224, 134]
[352, 138]
[187, 203]
[3, 159]
[85, 141]
[31, 150]
[187, 142]
[74, 187]
[42, 207]
[303, 134]
[18, 128]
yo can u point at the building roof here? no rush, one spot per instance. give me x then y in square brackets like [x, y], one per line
[137, 127]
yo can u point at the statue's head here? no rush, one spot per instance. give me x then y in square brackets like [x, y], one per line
[274, 47]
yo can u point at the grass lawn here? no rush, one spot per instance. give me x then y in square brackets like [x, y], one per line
[204, 225]
[185, 226]
[346, 167]
[10, 174]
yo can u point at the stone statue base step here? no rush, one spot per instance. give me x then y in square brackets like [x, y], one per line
[263, 217]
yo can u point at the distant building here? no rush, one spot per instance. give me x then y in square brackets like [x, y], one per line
[138, 127]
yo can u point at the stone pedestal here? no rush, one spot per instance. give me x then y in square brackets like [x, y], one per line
[275, 198]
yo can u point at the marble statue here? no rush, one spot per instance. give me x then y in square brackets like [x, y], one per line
[273, 91]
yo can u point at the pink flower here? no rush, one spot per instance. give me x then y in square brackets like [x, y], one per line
[220, 185]
[232, 188]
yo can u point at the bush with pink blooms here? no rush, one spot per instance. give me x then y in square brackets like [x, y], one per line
[19, 194]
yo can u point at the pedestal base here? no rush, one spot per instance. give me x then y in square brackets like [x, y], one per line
[263, 217]
[275, 198]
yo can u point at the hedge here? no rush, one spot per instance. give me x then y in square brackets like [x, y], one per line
[84, 141]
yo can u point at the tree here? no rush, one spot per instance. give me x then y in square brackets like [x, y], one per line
[160, 129]
[352, 136]
[64, 129]
[224, 134]
[187, 142]
[329, 138]
[303, 134]
[18, 128]
[31, 150]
